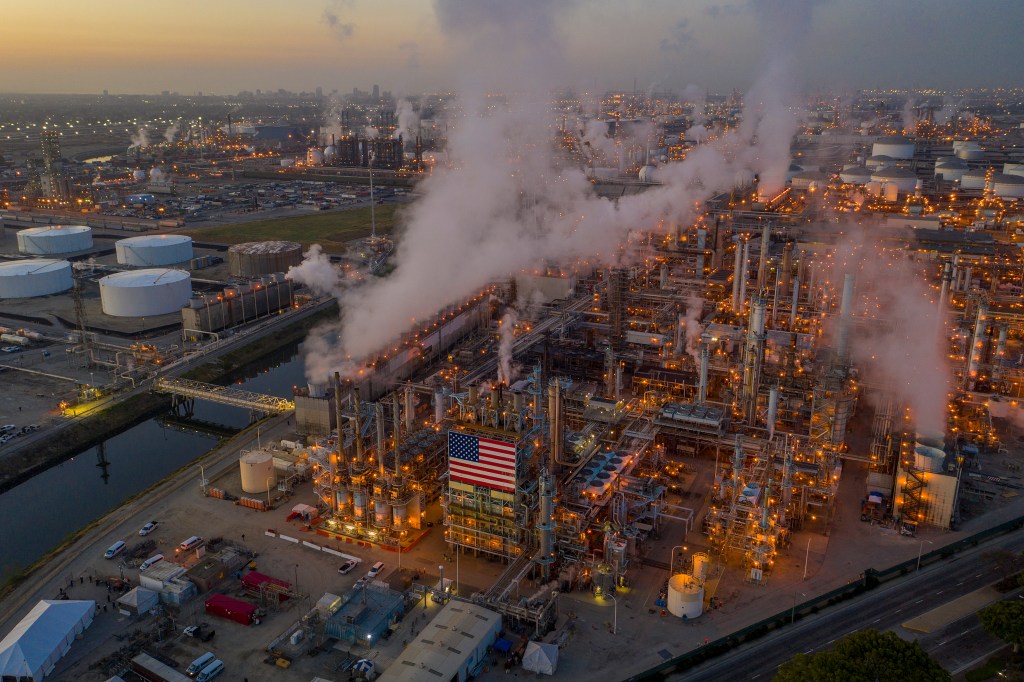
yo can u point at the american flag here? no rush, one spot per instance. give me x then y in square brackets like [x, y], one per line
[482, 461]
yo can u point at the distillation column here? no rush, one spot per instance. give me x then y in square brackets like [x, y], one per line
[753, 354]
[546, 556]
[997, 359]
[736, 275]
[845, 311]
[974, 353]
[702, 387]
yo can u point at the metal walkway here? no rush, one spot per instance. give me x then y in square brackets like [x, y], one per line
[257, 402]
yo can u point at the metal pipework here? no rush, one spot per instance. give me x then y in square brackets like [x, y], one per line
[997, 359]
[410, 412]
[845, 310]
[339, 455]
[663, 277]
[762, 265]
[786, 275]
[495, 404]
[547, 524]
[743, 274]
[677, 342]
[438, 407]
[795, 304]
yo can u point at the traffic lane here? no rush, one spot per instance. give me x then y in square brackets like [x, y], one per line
[879, 609]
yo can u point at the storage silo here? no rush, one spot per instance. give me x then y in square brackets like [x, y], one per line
[139, 293]
[904, 180]
[1007, 186]
[154, 250]
[950, 169]
[855, 175]
[805, 179]
[879, 161]
[45, 241]
[685, 596]
[895, 147]
[262, 258]
[974, 179]
[928, 458]
[257, 467]
[36, 277]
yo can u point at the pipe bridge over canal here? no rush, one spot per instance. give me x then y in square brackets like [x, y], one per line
[186, 392]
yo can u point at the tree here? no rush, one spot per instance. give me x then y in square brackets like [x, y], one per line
[1005, 620]
[865, 656]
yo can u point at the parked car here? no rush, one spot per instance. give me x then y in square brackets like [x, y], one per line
[149, 528]
[10, 349]
[347, 566]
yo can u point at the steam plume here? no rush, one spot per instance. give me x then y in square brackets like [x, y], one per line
[506, 372]
[140, 138]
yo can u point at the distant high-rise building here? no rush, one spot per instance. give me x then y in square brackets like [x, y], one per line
[54, 183]
[319, 91]
[376, 91]
[51, 151]
[105, 93]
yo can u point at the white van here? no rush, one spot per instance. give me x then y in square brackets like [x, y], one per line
[114, 549]
[150, 561]
[190, 544]
[200, 663]
[375, 570]
[211, 671]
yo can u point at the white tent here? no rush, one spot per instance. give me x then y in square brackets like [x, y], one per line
[138, 601]
[33, 647]
[540, 657]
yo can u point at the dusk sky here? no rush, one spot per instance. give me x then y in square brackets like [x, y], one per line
[226, 46]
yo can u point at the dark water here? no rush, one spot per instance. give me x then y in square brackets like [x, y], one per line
[36, 515]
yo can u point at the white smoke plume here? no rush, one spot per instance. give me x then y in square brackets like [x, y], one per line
[900, 345]
[505, 202]
[157, 174]
[507, 336]
[172, 132]
[318, 273]
[693, 329]
[908, 116]
[332, 16]
[332, 120]
[140, 138]
[408, 119]
[596, 142]
[371, 133]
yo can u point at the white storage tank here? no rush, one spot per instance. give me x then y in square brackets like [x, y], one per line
[1008, 186]
[928, 458]
[1014, 169]
[257, 468]
[895, 147]
[968, 150]
[314, 157]
[950, 169]
[139, 293]
[154, 250]
[701, 561]
[806, 179]
[974, 179]
[685, 596]
[855, 175]
[904, 180]
[37, 277]
[879, 161]
[43, 241]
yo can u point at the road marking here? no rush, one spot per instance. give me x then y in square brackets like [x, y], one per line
[831, 640]
[942, 643]
[979, 575]
[961, 583]
[754, 677]
[919, 601]
[809, 651]
[939, 592]
[897, 610]
[875, 620]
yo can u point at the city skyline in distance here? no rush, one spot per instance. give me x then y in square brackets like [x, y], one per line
[122, 47]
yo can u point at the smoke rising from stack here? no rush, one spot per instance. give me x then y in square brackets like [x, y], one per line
[140, 138]
[408, 119]
[172, 132]
[693, 330]
[505, 200]
[507, 336]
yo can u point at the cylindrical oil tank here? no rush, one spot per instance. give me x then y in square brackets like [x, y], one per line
[38, 277]
[950, 170]
[701, 561]
[44, 241]
[145, 292]
[874, 188]
[381, 513]
[905, 180]
[890, 191]
[1007, 186]
[928, 459]
[974, 179]
[154, 250]
[685, 596]
[259, 258]
[879, 161]
[896, 147]
[359, 504]
[257, 471]
[855, 175]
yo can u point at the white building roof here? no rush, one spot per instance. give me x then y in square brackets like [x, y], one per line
[43, 636]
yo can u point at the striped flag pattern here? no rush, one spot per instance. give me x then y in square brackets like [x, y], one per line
[482, 461]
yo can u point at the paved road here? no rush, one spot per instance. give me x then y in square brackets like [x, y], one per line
[882, 608]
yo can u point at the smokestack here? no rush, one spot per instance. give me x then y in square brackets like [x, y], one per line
[547, 524]
[358, 426]
[554, 424]
[702, 387]
[396, 425]
[378, 409]
[997, 360]
[787, 267]
[410, 412]
[677, 343]
[339, 455]
[438, 407]
[773, 410]
[762, 266]
[702, 238]
[974, 354]
[956, 272]
[736, 277]
[673, 231]
[967, 278]
[752, 357]
[496, 405]
[947, 275]
[795, 304]
[845, 310]
[609, 372]
[743, 273]
[663, 280]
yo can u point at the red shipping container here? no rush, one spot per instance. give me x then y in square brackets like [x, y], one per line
[231, 608]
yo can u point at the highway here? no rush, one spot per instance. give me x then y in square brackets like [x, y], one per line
[883, 608]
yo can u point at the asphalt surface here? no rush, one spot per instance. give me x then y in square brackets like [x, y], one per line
[883, 608]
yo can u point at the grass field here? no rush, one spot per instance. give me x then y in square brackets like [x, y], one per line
[329, 229]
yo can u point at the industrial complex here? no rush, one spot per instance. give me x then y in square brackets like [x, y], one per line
[721, 420]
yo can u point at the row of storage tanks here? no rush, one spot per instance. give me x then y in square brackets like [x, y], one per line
[153, 290]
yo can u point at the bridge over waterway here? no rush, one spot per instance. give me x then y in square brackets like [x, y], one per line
[186, 391]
